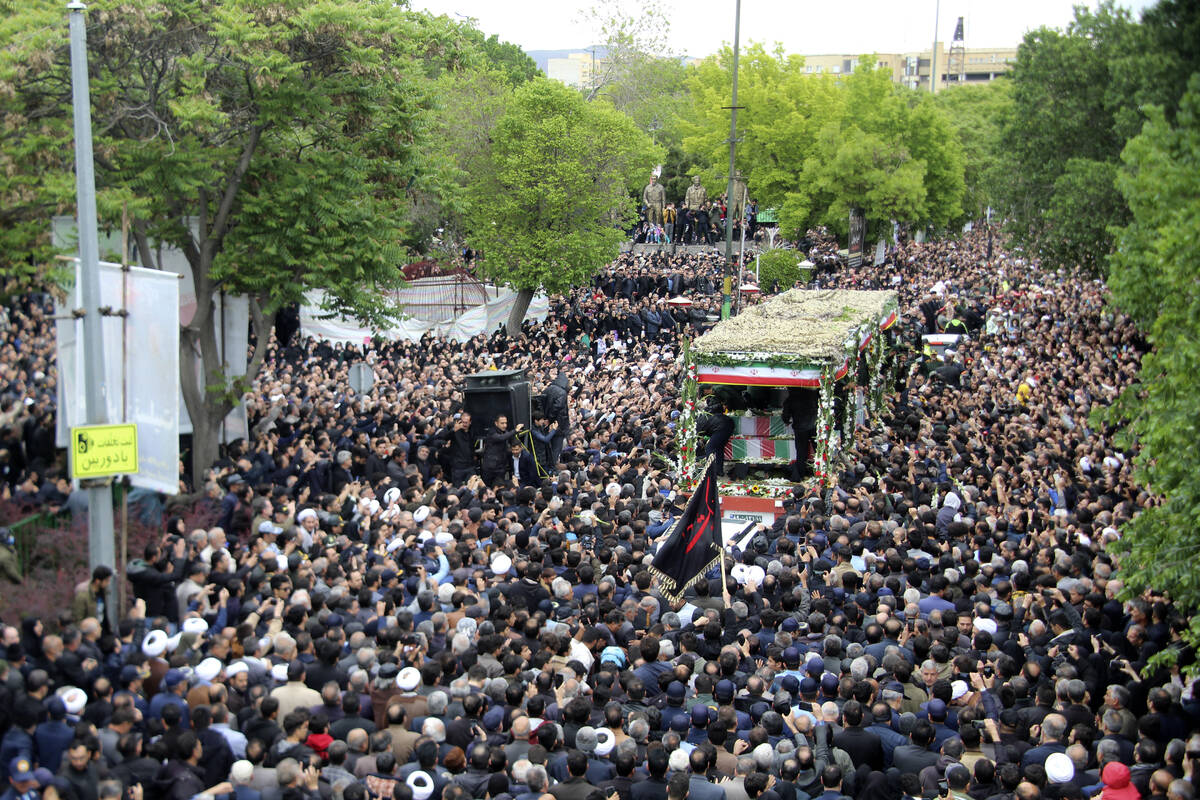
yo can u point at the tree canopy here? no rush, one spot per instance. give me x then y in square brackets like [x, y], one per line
[977, 113]
[550, 205]
[277, 147]
[1077, 98]
[1155, 268]
[816, 145]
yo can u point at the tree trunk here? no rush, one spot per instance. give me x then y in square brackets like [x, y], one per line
[517, 315]
[206, 444]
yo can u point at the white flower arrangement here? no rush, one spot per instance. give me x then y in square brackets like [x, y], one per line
[804, 324]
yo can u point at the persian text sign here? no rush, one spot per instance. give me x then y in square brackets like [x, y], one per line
[98, 451]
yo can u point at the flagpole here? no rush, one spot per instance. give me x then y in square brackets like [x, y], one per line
[724, 580]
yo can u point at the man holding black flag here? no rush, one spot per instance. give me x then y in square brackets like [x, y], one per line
[693, 544]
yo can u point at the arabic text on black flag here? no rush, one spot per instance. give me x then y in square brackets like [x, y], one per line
[693, 545]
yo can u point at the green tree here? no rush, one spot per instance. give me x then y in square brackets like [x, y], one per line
[778, 266]
[1073, 105]
[469, 104]
[977, 113]
[637, 72]
[549, 208]
[816, 145]
[36, 181]
[275, 145]
[1155, 269]
[783, 111]
[509, 59]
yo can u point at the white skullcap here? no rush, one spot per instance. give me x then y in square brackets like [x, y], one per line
[605, 741]
[208, 669]
[958, 689]
[155, 644]
[421, 785]
[408, 679]
[75, 699]
[1059, 768]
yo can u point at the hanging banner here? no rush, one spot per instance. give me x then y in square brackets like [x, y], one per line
[141, 369]
[858, 235]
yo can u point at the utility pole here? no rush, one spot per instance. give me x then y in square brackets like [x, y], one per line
[733, 109]
[101, 548]
[937, 11]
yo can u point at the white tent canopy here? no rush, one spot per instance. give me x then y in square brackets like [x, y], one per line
[483, 318]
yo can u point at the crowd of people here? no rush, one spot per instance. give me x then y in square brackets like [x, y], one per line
[378, 610]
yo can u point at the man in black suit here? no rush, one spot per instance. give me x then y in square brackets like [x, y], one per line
[654, 787]
[523, 467]
[622, 783]
[916, 756]
[863, 746]
[576, 786]
[1053, 730]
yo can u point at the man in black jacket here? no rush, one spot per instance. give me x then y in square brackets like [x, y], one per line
[461, 450]
[718, 427]
[557, 411]
[800, 411]
[863, 746]
[154, 579]
[494, 464]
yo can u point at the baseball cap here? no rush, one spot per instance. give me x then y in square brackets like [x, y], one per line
[494, 718]
[20, 769]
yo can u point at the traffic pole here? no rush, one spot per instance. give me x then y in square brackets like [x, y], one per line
[101, 547]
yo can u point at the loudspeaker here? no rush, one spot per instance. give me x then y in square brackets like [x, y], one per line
[487, 395]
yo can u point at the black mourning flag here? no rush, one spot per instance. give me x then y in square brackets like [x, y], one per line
[693, 543]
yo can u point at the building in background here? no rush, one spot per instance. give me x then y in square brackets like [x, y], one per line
[978, 65]
[579, 69]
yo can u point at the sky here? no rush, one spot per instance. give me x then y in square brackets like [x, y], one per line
[700, 27]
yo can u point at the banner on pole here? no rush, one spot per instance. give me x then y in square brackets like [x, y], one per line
[858, 235]
[141, 368]
[692, 546]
